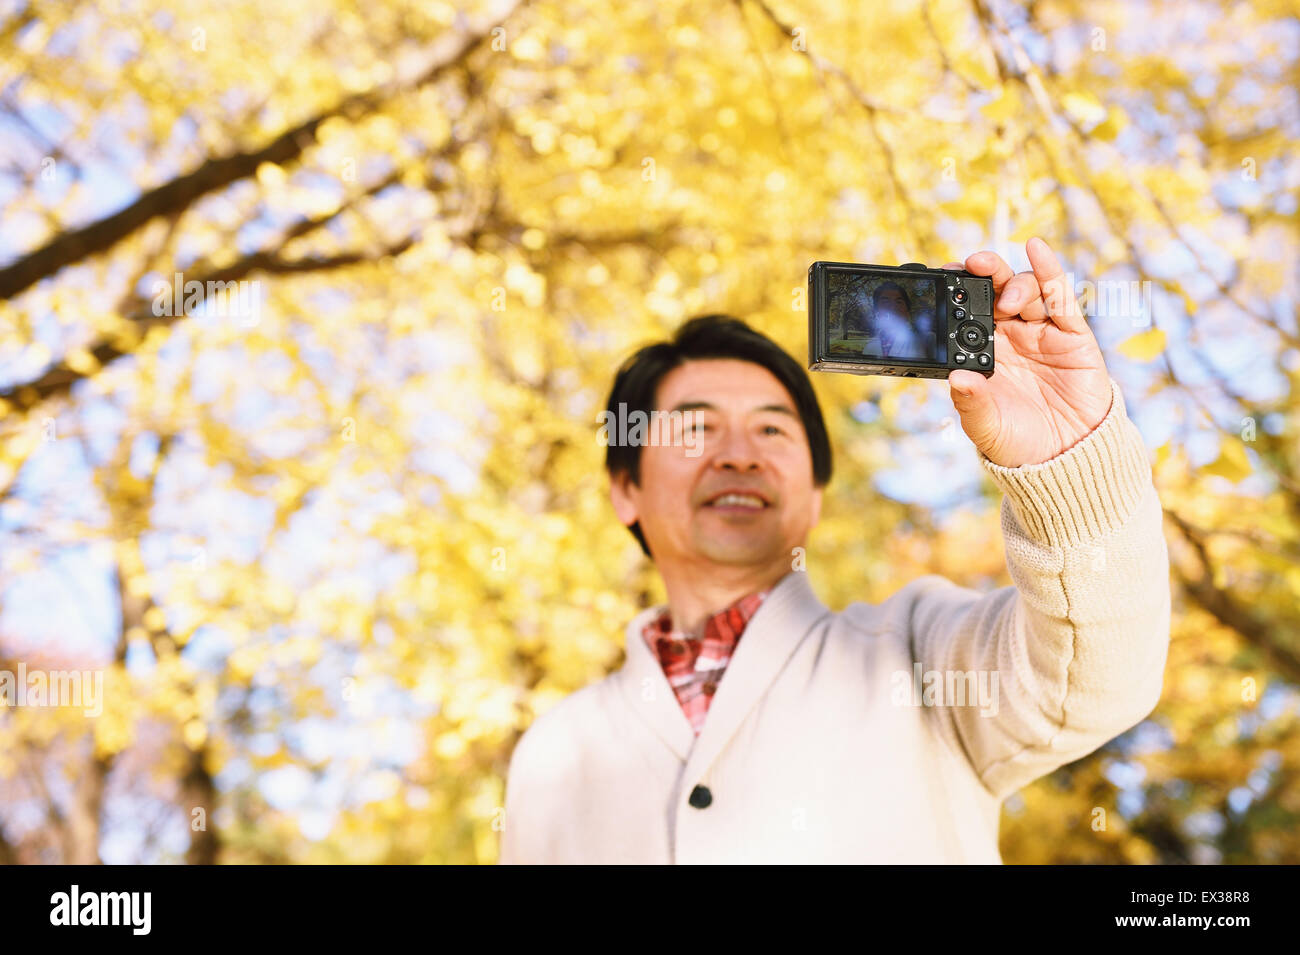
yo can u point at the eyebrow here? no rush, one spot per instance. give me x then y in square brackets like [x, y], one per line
[707, 406]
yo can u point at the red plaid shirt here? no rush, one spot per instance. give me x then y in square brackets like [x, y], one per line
[694, 665]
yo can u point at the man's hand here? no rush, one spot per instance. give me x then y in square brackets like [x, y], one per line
[1050, 387]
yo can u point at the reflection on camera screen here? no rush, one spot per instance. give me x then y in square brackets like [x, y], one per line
[879, 316]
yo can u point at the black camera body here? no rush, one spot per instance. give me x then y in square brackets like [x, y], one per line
[906, 320]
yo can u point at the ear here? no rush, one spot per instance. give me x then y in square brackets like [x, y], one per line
[622, 494]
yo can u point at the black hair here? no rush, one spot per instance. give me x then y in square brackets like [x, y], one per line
[704, 337]
[875, 296]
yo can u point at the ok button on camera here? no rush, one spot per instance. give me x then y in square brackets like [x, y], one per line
[972, 336]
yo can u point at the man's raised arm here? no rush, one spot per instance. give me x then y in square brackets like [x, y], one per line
[1078, 645]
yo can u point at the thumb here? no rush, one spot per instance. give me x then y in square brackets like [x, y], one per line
[972, 397]
[967, 386]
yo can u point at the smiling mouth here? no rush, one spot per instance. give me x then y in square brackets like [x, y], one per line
[739, 502]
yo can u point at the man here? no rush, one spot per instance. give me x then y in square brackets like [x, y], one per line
[896, 335]
[752, 724]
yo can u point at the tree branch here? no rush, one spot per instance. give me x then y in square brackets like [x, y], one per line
[59, 379]
[1228, 610]
[180, 193]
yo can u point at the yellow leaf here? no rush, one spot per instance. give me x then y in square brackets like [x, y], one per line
[1116, 120]
[450, 745]
[1293, 579]
[1144, 346]
[194, 734]
[1084, 107]
[81, 361]
[271, 175]
[1003, 108]
[1232, 462]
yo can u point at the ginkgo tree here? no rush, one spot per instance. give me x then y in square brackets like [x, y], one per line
[352, 514]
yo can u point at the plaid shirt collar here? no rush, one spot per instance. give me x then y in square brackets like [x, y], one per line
[694, 665]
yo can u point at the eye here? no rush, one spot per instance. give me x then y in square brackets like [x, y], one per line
[772, 429]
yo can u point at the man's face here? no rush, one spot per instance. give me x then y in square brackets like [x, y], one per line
[891, 300]
[750, 441]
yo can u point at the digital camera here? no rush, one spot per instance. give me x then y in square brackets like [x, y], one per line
[906, 320]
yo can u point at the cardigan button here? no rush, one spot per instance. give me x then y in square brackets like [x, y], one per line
[701, 797]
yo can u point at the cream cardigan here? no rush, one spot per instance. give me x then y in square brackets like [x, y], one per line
[839, 737]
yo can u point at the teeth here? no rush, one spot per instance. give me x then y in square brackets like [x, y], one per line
[738, 500]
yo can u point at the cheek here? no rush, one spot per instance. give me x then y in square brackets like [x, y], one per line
[666, 479]
[796, 482]
[799, 512]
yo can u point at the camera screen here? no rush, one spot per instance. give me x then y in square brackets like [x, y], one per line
[878, 316]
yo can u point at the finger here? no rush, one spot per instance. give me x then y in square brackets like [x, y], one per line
[1058, 296]
[966, 383]
[954, 265]
[1035, 311]
[972, 396]
[992, 265]
[1020, 298]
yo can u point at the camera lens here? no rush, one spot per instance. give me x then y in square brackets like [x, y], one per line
[972, 336]
[959, 295]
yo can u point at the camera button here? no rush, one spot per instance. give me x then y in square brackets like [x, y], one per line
[984, 361]
[960, 358]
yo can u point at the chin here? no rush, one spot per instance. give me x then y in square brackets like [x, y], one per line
[740, 551]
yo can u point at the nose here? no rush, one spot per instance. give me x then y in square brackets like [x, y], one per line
[737, 451]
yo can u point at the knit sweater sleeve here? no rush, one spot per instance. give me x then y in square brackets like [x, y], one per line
[1074, 652]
